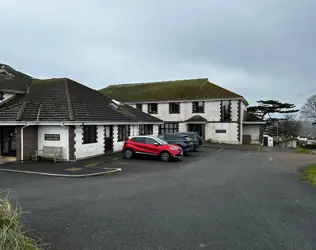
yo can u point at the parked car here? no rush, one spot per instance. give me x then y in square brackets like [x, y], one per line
[152, 146]
[302, 138]
[182, 141]
[194, 137]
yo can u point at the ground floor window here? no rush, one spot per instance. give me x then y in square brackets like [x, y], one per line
[145, 129]
[89, 134]
[123, 132]
[169, 128]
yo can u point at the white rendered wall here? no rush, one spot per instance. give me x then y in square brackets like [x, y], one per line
[211, 112]
[254, 131]
[64, 138]
[90, 149]
[231, 135]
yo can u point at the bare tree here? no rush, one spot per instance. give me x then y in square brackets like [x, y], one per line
[308, 111]
[285, 127]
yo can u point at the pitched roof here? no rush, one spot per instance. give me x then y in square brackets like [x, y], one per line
[249, 117]
[196, 118]
[13, 81]
[191, 89]
[62, 99]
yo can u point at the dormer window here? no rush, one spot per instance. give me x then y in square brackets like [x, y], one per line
[1, 96]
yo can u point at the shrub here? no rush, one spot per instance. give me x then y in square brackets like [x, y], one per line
[12, 232]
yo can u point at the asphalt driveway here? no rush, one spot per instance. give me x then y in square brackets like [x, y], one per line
[212, 200]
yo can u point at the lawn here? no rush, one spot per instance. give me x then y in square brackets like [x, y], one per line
[303, 150]
[309, 174]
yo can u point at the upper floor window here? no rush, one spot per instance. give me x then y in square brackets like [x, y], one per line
[152, 108]
[197, 107]
[145, 129]
[1, 96]
[169, 128]
[139, 106]
[226, 111]
[89, 134]
[122, 132]
[174, 107]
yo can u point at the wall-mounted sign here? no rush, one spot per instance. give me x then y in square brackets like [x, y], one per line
[52, 137]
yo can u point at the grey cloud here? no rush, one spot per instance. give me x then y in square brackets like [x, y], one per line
[260, 49]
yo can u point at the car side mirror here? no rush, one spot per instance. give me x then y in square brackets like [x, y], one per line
[157, 144]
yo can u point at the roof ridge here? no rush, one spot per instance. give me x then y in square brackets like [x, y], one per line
[159, 82]
[21, 111]
[68, 99]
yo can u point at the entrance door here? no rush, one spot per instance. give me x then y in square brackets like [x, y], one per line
[199, 128]
[265, 141]
[108, 139]
[8, 141]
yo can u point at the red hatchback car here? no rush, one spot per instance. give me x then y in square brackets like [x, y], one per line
[151, 145]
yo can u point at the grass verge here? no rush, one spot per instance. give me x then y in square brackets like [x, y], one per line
[12, 232]
[91, 165]
[309, 174]
[303, 150]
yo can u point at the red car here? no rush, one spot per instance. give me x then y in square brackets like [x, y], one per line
[151, 145]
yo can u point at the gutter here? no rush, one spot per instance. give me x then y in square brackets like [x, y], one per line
[22, 141]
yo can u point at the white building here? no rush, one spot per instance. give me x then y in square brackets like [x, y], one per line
[63, 113]
[193, 105]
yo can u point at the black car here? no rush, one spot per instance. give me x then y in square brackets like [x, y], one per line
[184, 141]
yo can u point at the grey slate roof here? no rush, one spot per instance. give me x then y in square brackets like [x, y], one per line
[196, 118]
[249, 117]
[62, 99]
[188, 89]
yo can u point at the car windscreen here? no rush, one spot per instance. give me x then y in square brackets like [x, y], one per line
[162, 142]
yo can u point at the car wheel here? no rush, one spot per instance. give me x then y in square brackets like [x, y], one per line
[128, 154]
[165, 156]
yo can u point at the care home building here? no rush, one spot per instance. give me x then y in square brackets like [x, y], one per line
[193, 105]
[63, 113]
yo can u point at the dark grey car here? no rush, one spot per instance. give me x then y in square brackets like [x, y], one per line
[184, 141]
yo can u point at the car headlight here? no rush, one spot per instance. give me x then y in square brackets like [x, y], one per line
[174, 148]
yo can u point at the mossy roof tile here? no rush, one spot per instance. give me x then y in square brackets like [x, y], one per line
[191, 89]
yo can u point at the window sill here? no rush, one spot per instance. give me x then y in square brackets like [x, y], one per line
[198, 112]
[174, 113]
[84, 143]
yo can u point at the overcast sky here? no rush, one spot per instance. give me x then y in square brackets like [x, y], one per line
[259, 49]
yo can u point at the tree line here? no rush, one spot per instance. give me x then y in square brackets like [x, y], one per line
[287, 125]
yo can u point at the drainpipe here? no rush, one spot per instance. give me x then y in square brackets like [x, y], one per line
[22, 141]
